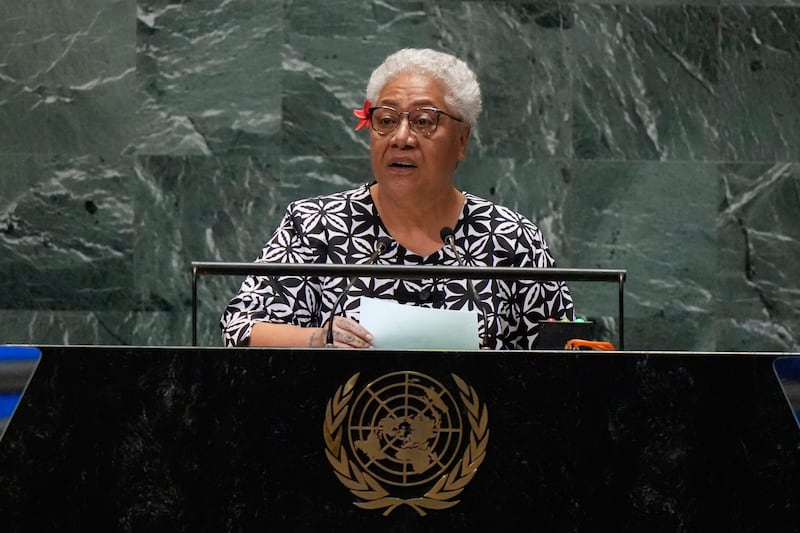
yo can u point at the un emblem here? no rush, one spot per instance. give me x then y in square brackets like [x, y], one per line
[402, 440]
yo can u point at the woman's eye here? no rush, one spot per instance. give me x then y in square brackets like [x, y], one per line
[423, 120]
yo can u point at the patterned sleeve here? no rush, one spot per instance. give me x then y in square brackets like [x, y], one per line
[280, 299]
[545, 299]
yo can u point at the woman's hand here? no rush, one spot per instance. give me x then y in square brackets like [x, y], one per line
[347, 333]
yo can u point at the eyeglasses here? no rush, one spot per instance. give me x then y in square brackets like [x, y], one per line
[422, 120]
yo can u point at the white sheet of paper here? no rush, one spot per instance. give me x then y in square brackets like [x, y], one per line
[408, 327]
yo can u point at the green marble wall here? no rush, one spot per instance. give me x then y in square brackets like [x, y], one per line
[659, 137]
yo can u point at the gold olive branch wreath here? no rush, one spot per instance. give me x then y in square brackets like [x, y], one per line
[364, 486]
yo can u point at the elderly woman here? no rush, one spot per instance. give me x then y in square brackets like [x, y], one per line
[421, 107]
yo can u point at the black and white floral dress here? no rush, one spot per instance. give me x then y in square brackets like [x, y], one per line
[344, 228]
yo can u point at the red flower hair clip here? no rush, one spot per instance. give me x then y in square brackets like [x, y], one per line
[363, 114]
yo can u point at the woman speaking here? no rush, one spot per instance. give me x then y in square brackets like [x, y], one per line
[421, 107]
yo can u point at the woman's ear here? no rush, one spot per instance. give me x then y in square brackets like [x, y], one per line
[463, 140]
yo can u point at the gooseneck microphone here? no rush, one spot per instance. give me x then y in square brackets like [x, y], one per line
[449, 238]
[381, 246]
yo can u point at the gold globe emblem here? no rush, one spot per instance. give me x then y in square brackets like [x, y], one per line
[404, 432]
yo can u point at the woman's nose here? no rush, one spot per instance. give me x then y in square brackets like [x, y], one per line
[403, 135]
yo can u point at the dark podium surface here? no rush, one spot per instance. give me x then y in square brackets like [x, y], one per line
[193, 439]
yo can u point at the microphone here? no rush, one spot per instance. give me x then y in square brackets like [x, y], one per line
[381, 246]
[448, 236]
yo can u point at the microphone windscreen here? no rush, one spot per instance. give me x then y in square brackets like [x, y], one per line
[383, 244]
[446, 232]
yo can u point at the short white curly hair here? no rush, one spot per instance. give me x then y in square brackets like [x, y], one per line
[463, 94]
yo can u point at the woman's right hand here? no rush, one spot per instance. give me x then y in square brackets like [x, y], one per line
[347, 333]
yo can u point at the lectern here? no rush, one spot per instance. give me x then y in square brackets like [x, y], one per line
[213, 439]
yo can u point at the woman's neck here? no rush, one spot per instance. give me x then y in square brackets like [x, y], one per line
[415, 221]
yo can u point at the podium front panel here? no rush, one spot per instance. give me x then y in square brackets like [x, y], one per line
[207, 439]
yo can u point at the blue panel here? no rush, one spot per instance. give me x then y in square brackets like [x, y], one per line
[19, 353]
[17, 365]
[8, 402]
